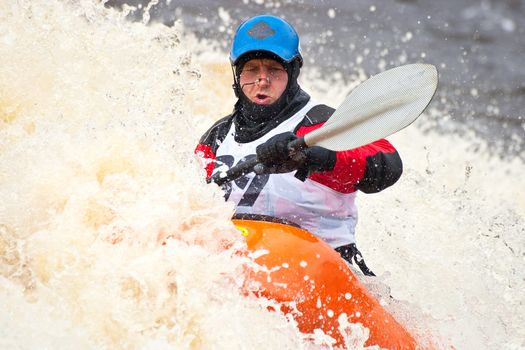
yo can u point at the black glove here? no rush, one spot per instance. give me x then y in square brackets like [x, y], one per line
[318, 159]
[275, 157]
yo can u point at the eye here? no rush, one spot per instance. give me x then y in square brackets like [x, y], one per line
[275, 71]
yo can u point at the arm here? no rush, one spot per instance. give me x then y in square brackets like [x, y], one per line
[207, 156]
[370, 168]
[209, 143]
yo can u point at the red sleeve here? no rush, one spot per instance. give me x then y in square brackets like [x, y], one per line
[351, 166]
[207, 156]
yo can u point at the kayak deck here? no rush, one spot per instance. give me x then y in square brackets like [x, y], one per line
[306, 272]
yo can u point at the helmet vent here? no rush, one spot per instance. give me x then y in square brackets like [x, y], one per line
[261, 30]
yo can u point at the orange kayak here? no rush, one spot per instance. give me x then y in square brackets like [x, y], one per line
[308, 273]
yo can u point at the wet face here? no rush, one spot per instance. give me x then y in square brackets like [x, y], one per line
[263, 80]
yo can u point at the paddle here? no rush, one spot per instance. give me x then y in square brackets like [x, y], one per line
[379, 107]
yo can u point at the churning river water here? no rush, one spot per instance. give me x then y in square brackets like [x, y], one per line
[111, 239]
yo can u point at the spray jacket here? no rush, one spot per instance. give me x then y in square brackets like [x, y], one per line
[324, 203]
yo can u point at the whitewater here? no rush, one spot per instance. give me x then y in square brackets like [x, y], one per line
[111, 239]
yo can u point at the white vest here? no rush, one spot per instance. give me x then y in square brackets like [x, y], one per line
[328, 214]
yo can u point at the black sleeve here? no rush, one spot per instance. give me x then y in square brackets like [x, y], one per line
[382, 171]
[217, 133]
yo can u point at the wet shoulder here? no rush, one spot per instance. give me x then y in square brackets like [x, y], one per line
[318, 114]
[217, 132]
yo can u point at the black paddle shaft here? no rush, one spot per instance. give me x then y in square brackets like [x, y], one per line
[220, 178]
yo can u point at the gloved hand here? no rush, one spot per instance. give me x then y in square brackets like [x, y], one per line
[275, 157]
[318, 159]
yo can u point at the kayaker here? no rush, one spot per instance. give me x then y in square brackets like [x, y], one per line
[316, 192]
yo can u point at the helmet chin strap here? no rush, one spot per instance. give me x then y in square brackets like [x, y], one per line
[235, 86]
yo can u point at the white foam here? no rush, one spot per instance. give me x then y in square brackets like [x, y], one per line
[98, 119]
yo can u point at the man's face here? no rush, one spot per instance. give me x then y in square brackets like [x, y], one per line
[263, 80]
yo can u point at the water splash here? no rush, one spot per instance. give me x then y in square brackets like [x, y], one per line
[109, 235]
[106, 225]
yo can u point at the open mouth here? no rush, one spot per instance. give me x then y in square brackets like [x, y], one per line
[262, 97]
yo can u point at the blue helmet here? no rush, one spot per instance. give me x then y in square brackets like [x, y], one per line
[266, 33]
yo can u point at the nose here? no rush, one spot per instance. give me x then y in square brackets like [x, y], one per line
[262, 81]
[264, 78]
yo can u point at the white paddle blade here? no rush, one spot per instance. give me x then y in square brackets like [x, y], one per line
[380, 106]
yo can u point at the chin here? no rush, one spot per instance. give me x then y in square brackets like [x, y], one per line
[265, 102]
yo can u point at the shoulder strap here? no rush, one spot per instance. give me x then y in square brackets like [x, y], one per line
[316, 115]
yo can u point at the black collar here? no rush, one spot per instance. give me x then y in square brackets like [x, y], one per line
[252, 121]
